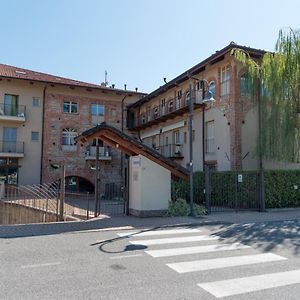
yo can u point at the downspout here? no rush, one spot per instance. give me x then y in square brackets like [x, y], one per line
[42, 139]
[124, 184]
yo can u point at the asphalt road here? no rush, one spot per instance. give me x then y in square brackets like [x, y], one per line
[249, 261]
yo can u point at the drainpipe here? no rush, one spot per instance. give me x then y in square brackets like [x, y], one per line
[42, 139]
[122, 155]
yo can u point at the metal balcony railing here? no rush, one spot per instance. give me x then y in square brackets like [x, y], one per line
[103, 151]
[12, 110]
[171, 150]
[11, 147]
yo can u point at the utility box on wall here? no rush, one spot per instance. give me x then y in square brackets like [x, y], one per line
[149, 187]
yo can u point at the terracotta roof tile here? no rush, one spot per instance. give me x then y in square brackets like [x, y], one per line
[25, 74]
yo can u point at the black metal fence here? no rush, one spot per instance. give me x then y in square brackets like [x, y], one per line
[233, 191]
[113, 199]
[28, 204]
[224, 191]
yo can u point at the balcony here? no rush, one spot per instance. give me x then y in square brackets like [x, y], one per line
[171, 109]
[12, 113]
[104, 153]
[173, 151]
[11, 149]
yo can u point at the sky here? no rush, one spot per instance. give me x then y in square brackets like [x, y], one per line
[138, 42]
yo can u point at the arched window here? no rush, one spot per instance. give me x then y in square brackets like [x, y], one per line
[67, 139]
[212, 89]
[68, 136]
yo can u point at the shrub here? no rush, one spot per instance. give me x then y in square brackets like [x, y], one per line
[180, 207]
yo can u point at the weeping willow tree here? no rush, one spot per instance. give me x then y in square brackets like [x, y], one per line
[274, 83]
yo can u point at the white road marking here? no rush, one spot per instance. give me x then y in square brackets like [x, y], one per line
[40, 265]
[125, 256]
[224, 262]
[196, 249]
[243, 285]
[176, 240]
[159, 232]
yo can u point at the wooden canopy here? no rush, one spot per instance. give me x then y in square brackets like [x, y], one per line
[129, 145]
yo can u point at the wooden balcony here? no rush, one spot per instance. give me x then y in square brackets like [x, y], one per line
[169, 110]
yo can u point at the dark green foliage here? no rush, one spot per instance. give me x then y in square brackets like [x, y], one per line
[180, 207]
[180, 189]
[279, 188]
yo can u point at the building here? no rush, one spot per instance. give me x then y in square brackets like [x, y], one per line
[230, 124]
[40, 114]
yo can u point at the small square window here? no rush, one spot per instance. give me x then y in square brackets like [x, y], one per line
[70, 107]
[35, 135]
[35, 102]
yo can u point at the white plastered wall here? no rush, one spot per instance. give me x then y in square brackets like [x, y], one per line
[149, 185]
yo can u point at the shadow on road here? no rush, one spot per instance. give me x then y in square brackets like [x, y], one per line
[267, 236]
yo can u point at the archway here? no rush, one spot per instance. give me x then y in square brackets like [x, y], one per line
[79, 184]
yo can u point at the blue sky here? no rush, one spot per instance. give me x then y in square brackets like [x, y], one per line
[138, 42]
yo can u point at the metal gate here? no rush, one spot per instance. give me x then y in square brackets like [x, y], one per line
[112, 196]
[232, 191]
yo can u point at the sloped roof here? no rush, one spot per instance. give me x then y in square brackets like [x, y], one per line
[12, 72]
[127, 144]
[197, 69]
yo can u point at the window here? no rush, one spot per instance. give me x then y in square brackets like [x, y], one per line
[179, 94]
[163, 102]
[176, 137]
[212, 89]
[245, 84]
[68, 136]
[10, 105]
[35, 102]
[225, 81]
[94, 143]
[97, 111]
[35, 135]
[199, 85]
[210, 137]
[10, 140]
[70, 107]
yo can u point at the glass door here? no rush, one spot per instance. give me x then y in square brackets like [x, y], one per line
[10, 105]
[9, 139]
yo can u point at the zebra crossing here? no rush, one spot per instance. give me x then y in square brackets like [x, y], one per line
[175, 244]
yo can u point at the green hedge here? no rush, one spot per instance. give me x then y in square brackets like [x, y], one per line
[180, 189]
[279, 188]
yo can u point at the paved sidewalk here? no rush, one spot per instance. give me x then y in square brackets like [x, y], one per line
[131, 222]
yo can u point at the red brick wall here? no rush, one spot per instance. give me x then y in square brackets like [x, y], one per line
[55, 120]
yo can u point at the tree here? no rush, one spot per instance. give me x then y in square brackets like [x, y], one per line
[275, 88]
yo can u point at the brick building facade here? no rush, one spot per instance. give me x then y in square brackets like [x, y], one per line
[161, 117]
[44, 115]
[67, 114]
